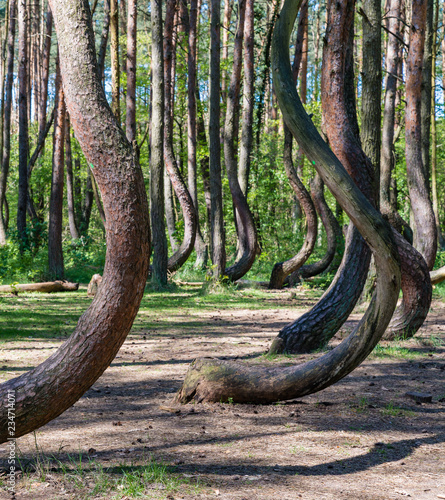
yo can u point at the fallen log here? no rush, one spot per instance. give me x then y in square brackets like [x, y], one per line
[46, 287]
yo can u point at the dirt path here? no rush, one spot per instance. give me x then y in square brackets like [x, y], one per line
[363, 438]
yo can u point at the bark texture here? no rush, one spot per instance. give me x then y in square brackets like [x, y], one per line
[425, 237]
[49, 389]
[46, 287]
[214, 380]
[130, 117]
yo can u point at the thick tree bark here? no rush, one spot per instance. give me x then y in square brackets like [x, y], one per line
[188, 209]
[314, 329]
[130, 118]
[49, 389]
[160, 256]
[45, 287]
[213, 380]
[425, 237]
[55, 252]
[75, 235]
[247, 237]
[23, 123]
[200, 246]
[216, 201]
[6, 153]
[370, 132]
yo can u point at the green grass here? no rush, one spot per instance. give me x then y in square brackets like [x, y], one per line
[31, 316]
[395, 351]
[395, 411]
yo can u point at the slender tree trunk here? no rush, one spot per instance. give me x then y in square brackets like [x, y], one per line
[334, 235]
[115, 64]
[228, 6]
[104, 39]
[70, 181]
[440, 238]
[425, 237]
[55, 252]
[216, 380]
[157, 148]
[188, 210]
[425, 103]
[217, 219]
[87, 203]
[23, 123]
[200, 246]
[246, 228]
[7, 118]
[46, 56]
[49, 389]
[130, 122]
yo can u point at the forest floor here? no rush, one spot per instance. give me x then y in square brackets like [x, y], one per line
[362, 438]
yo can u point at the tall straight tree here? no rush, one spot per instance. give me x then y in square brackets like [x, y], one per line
[7, 117]
[23, 122]
[370, 132]
[55, 252]
[130, 122]
[46, 55]
[157, 148]
[216, 211]
[425, 236]
[75, 235]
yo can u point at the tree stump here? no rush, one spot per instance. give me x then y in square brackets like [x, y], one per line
[93, 285]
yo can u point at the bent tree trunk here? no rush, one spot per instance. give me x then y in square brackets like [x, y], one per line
[215, 380]
[247, 234]
[49, 389]
[188, 209]
[314, 329]
[334, 235]
[282, 270]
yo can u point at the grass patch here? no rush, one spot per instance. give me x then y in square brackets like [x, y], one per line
[395, 351]
[395, 411]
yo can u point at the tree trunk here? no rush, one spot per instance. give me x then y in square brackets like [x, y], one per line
[170, 214]
[23, 123]
[188, 209]
[160, 256]
[200, 246]
[314, 329]
[426, 89]
[425, 237]
[216, 211]
[104, 40]
[334, 235]
[440, 238]
[282, 270]
[55, 252]
[115, 65]
[49, 389]
[214, 380]
[70, 181]
[45, 287]
[246, 228]
[46, 56]
[372, 82]
[7, 118]
[130, 122]
[228, 5]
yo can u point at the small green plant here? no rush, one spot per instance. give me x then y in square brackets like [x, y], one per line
[395, 411]
[394, 351]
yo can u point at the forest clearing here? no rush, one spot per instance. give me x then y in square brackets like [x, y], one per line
[361, 438]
